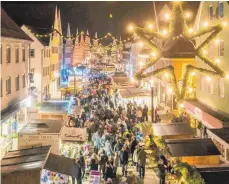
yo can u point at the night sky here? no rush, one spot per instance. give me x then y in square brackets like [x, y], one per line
[93, 16]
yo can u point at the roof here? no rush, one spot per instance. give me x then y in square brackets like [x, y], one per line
[165, 129]
[215, 174]
[192, 147]
[73, 134]
[120, 78]
[41, 31]
[54, 107]
[42, 127]
[59, 164]
[222, 133]
[134, 92]
[24, 159]
[10, 29]
[218, 115]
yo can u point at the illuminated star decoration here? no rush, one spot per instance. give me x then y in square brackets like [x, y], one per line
[178, 32]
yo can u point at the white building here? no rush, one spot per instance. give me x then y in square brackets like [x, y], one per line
[39, 62]
[14, 79]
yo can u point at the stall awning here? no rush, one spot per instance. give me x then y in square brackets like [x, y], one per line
[192, 147]
[59, 164]
[206, 115]
[172, 129]
[25, 159]
[54, 107]
[134, 92]
[222, 133]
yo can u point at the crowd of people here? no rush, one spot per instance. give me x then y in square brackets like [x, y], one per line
[112, 130]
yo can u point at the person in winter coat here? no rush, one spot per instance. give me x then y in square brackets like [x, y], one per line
[124, 155]
[82, 163]
[145, 113]
[135, 156]
[109, 173]
[139, 115]
[133, 145]
[161, 173]
[115, 163]
[142, 162]
[108, 147]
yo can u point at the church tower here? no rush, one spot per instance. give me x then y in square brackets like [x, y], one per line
[78, 51]
[95, 41]
[68, 49]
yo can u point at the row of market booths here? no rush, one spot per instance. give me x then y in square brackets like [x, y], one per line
[46, 148]
[199, 152]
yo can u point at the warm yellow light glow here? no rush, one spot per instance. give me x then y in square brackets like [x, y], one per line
[166, 74]
[141, 63]
[151, 81]
[181, 105]
[217, 60]
[190, 30]
[205, 24]
[227, 76]
[204, 52]
[167, 16]
[132, 79]
[131, 28]
[190, 90]
[164, 32]
[150, 26]
[170, 90]
[187, 15]
[208, 79]
[224, 23]
[153, 54]
[193, 73]
[141, 44]
[217, 41]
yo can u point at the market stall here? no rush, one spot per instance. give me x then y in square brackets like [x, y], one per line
[41, 133]
[173, 130]
[54, 110]
[35, 166]
[194, 151]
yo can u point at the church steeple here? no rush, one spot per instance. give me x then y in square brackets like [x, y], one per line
[95, 41]
[87, 39]
[56, 21]
[60, 26]
[69, 39]
[77, 37]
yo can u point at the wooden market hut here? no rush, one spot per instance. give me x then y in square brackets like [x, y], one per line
[25, 165]
[41, 133]
[54, 110]
[194, 151]
[173, 130]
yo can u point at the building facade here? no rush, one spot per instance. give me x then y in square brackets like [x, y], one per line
[14, 80]
[39, 65]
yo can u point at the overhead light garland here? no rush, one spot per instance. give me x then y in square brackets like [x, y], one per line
[172, 33]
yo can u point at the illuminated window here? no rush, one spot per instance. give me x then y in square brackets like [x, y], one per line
[8, 54]
[8, 85]
[221, 87]
[23, 54]
[23, 80]
[17, 54]
[17, 83]
[221, 9]
[221, 48]
[210, 12]
[32, 53]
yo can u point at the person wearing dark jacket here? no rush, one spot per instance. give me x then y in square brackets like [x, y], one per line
[124, 155]
[94, 165]
[82, 163]
[76, 172]
[145, 113]
[109, 172]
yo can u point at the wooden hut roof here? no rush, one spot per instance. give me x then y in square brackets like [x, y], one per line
[165, 129]
[25, 159]
[192, 147]
[54, 107]
[222, 133]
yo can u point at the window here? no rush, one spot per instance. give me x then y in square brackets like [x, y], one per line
[17, 54]
[32, 53]
[221, 9]
[8, 54]
[211, 88]
[32, 70]
[23, 54]
[49, 52]
[202, 82]
[8, 86]
[1, 87]
[23, 80]
[17, 83]
[221, 48]
[211, 50]
[221, 87]
[43, 71]
[210, 12]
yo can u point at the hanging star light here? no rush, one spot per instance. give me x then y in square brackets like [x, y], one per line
[178, 29]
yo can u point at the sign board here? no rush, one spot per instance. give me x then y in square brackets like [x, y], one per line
[73, 134]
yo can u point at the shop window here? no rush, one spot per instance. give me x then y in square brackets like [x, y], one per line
[8, 85]
[221, 48]
[221, 87]
[23, 54]
[210, 12]
[8, 54]
[211, 88]
[23, 80]
[17, 83]
[32, 53]
[221, 9]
